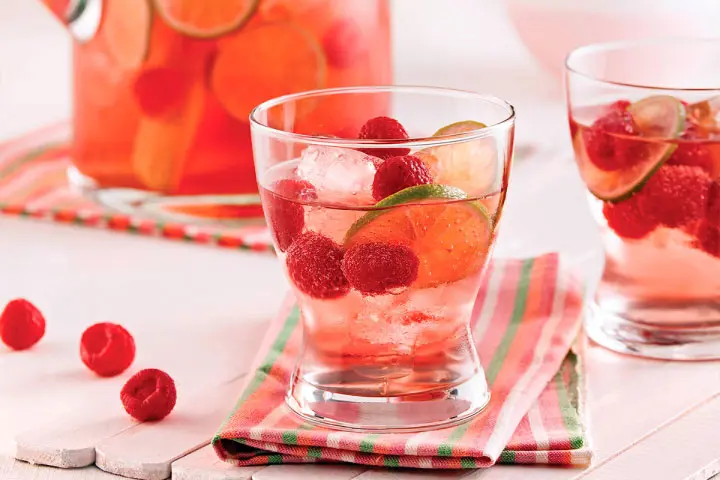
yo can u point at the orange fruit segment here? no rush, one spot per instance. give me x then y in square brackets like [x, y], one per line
[125, 31]
[161, 145]
[450, 236]
[266, 62]
[473, 166]
[206, 18]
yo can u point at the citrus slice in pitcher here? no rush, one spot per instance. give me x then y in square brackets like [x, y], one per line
[266, 62]
[125, 31]
[206, 18]
[450, 234]
[470, 165]
[161, 145]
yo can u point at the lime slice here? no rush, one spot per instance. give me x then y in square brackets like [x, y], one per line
[660, 116]
[459, 127]
[472, 166]
[206, 18]
[416, 194]
[618, 185]
[450, 235]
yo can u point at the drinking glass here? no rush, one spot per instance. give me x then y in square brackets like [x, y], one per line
[645, 126]
[163, 90]
[384, 240]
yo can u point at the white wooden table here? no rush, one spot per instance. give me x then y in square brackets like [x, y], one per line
[648, 419]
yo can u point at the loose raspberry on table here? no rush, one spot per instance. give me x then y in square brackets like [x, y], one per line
[399, 173]
[314, 264]
[343, 43]
[675, 195]
[21, 324]
[287, 218]
[606, 150]
[707, 238]
[377, 268]
[383, 128]
[627, 220]
[148, 395]
[107, 349]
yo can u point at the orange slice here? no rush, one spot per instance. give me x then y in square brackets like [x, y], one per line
[125, 31]
[266, 62]
[161, 144]
[450, 234]
[206, 18]
[473, 166]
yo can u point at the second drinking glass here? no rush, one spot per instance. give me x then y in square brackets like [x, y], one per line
[645, 125]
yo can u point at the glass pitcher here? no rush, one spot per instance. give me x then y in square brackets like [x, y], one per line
[163, 90]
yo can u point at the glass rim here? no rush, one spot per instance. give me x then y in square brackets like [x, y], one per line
[624, 44]
[426, 141]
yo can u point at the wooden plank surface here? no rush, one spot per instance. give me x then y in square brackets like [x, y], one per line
[204, 464]
[680, 450]
[309, 472]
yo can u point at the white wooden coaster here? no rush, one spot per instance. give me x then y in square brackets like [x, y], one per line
[147, 450]
[70, 444]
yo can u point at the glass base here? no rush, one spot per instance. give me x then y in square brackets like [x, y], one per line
[669, 341]
[216, 210]
[433, 409]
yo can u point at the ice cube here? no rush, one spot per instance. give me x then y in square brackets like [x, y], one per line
[340, 175]
[331, 222]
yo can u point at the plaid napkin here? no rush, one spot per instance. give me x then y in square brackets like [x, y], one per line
[33, 183]
[525, 320]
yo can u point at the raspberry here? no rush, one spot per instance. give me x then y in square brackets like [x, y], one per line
[675, 195]
[713, 208]
[149, 395]
[107, 349]
[343, 43]
[620, 105]
[21, 324]
[707, 238]
[415, 318]
[398, 173]
[160, 92]
[607, 151]
[383, 128]
[693, 153]
[314, 264]
[627, 220]
[287, 218]
[378, 268]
